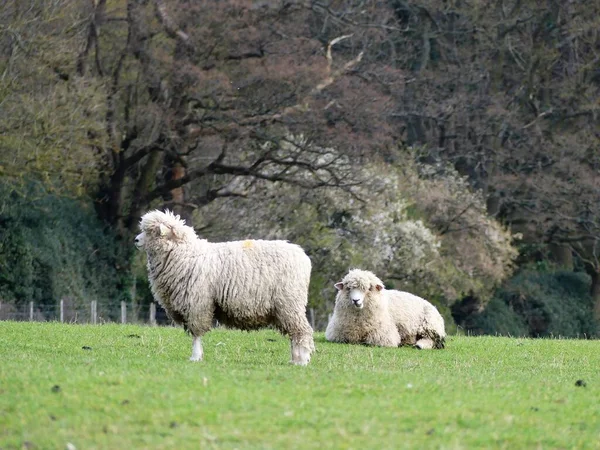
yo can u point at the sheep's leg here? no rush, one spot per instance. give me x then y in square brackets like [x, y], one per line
[199, 322]
[301, 349]
[424, 344]
[197, 352]
[303, 343]
[295, 325]
[301, 339]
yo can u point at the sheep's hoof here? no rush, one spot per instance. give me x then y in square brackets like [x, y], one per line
[300, 356]
[300, 363]
[195, 358]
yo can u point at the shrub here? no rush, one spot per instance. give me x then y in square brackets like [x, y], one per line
[54, 248]
[538, 304]
[422, 229]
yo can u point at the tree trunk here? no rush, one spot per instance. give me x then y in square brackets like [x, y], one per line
[595, 291]
[562, 255]
[110, 201]
[115, 199]
[143, 186]
[493, 205]
[178, 195]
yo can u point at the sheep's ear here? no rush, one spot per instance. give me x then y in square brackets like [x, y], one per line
[378, 287]
[339, 286]
[164, 230]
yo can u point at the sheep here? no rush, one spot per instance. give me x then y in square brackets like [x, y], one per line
[242, 284]
[419, 322]
[361, 313]
[366, 313]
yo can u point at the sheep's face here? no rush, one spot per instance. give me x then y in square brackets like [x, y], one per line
[357, 295]
[140, 240]
[157, 234]
[162, 230]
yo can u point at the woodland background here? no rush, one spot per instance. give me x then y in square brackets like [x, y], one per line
[452, 147]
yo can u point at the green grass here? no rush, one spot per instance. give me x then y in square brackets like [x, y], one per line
[135, 388]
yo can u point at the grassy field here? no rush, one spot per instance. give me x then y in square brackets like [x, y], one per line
[129, 387]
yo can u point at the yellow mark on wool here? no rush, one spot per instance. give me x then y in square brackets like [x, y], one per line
[248, 244]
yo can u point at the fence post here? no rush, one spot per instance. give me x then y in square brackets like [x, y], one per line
[31, 311]
[123, 312]
[152, 313]
[312, 317]
[134, 290]
[94, 312]
[62, 310]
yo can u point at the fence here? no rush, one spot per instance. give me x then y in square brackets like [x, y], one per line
[92, 313]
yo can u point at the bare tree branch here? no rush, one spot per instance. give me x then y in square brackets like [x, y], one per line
[169, 24]
[96, 19]
[330, 78]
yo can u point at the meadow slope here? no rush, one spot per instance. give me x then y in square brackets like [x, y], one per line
[130, 387]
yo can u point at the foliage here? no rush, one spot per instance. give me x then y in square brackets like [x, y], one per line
[174, 103]
[246, 394]
[478, 251]
[430, 235]
[539, 304]
[506, 93]
[497, 319]
[54, 248]
[50, 122]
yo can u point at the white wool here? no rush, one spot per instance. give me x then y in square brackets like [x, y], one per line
[419, 322]
[371, 324]
[388, 318]
[244, 284]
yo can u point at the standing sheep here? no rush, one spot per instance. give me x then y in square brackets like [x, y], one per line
[366, 313]
[244, 284]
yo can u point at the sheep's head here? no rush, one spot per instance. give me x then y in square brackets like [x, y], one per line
[358, 287]
[160, 228]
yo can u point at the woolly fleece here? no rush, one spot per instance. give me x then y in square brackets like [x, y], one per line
[371, 325]
[243, 284]
[389, 318]
[419, 322]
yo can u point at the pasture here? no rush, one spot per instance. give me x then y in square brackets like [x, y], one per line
[130, 387]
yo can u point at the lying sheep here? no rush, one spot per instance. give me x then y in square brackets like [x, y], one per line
[361, 314]
[244, 284]
[419, 322]
[366, 313]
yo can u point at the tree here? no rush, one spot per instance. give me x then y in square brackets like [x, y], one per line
[188, 105]
[419, 227]
[193, 102]
[140, 103]
[49, 122]
[507, 93]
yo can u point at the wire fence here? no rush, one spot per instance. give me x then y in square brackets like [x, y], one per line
[94, 313]
[90, 313]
